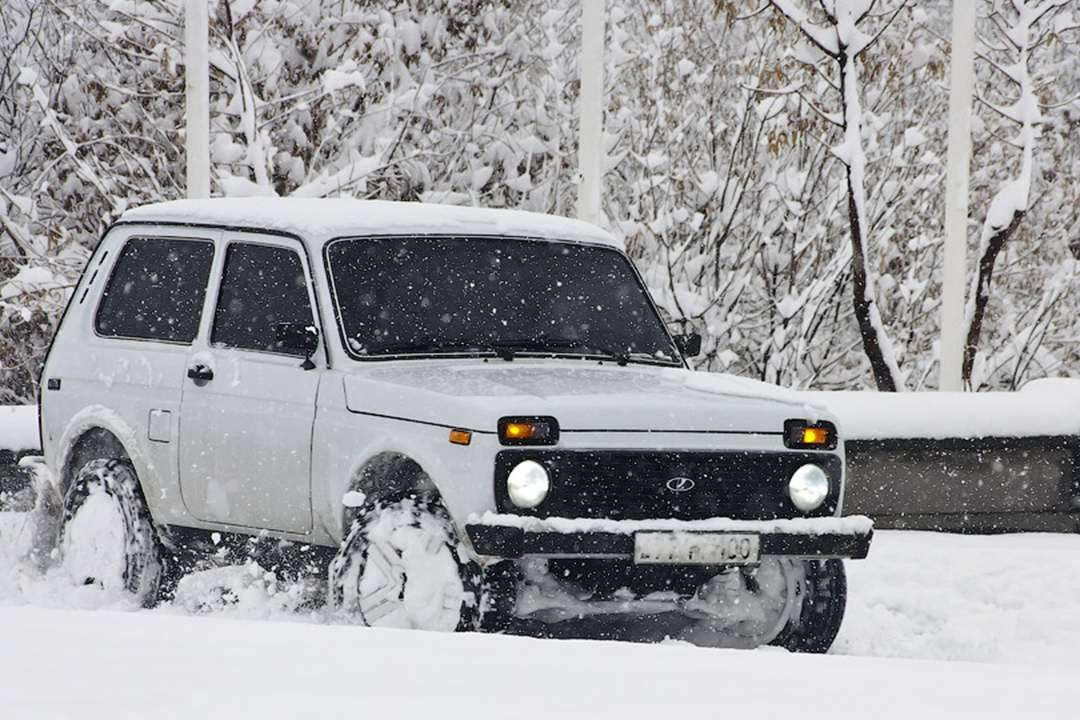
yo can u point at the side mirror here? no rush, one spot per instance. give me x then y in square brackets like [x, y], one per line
[301, 338]
[689, 344]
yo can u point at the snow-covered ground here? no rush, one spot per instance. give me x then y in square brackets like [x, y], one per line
[938, 626]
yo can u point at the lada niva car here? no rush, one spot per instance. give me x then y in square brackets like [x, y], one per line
[476, 417]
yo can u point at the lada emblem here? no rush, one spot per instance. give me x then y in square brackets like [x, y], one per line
[680, 484]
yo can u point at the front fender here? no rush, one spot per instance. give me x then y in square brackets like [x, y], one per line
[460, 474]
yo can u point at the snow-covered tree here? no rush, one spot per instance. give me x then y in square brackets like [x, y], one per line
[841, 32]
[721, 122]
[1016, 31]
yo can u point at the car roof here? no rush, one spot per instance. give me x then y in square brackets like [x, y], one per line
[321, 219]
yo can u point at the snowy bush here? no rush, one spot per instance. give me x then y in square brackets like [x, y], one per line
[721, 133]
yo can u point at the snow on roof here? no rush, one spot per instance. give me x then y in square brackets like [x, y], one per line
[325, 218]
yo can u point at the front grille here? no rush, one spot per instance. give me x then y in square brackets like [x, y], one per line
[637, 485]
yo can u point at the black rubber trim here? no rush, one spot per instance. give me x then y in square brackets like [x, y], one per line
[420, 422]
[512, 543]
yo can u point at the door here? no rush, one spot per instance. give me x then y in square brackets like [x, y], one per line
[248, 403]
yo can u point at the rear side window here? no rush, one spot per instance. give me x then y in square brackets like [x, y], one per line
[156, 290]
[262, 286]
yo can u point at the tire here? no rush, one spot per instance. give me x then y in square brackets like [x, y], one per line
[500, 587]
[107, 537]
[403, 566]
[821, 611]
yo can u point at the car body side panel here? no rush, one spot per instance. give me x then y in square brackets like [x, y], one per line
[115, 384]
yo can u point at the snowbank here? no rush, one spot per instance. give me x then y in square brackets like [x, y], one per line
[1043, 407]
[920, 595]
[109, 665]
[19, 428]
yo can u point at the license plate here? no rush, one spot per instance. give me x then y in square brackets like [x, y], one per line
[685, 548]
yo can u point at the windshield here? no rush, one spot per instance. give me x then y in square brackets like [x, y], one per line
[454, 295]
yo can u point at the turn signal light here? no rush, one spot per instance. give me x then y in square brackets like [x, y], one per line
[528, 431]
[803, 434]
[460, 437]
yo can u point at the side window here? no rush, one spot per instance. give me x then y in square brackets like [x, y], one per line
[262, 287]
[156, 290]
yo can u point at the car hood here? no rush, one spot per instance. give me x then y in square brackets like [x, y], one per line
[580, 395]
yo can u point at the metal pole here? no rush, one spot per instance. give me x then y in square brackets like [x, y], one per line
[197, 106]
[591, 110]
[954, 272]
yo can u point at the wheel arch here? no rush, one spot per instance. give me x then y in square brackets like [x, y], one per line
[98, 432]
[93, 444]
[387, 474]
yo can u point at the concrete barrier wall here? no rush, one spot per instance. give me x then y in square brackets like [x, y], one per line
[974, 485]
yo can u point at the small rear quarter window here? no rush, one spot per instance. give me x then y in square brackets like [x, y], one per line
[156, 290]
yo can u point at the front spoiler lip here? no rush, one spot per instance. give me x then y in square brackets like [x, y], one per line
[510, 541]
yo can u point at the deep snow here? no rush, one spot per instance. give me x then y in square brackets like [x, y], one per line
[112, 665]
[1002, 609]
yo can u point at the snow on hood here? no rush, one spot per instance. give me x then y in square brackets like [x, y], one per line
[580, 394]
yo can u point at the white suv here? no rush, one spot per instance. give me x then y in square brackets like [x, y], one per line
[464, 417]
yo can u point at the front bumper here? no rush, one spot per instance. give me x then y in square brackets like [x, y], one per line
[514, 536]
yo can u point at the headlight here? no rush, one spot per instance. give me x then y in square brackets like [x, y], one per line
[528, 484]
[808, 487]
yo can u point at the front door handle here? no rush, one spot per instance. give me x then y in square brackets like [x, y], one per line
[200, 373]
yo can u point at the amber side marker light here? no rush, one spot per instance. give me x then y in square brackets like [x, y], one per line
[803, 434]
[528, 431]
[460, 437]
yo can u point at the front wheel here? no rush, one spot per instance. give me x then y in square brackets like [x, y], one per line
[816, 622]
[403, 566]
[107, 537]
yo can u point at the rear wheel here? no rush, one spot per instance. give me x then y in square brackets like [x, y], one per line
[107, 537]
[403, 566]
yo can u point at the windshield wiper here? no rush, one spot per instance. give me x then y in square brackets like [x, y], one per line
[562, 346]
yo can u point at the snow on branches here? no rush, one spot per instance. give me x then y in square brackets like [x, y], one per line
[1014, 32]
[838, 34]
[738, 153]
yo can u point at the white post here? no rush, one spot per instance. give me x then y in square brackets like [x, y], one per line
[954, 271]
[197, 107]
[591, 110]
